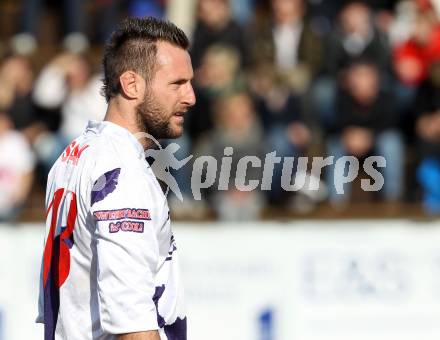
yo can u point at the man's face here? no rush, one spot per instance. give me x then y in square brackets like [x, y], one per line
[169, 94]
[285, 10]
[363, 82]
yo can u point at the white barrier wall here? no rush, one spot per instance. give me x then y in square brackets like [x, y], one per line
[351, 280]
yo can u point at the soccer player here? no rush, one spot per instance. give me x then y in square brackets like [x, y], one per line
[109, 264]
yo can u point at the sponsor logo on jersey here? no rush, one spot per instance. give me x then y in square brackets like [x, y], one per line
[120, 214]
[134, 226]
[73, 152]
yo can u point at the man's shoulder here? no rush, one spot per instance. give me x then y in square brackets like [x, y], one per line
[97, 151]
[86, 152]
[102, 145]
[108, 152]
[104, 153]
[85, 149]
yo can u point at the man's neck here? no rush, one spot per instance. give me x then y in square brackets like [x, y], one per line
[121, 114]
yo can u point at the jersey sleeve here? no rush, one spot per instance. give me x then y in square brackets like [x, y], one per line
[127, 250]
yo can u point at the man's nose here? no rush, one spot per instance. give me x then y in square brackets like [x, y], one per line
[190, 97]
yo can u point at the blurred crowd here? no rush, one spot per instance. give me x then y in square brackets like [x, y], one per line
[303, 78]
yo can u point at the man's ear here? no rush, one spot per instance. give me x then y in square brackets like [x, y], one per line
[132, 84]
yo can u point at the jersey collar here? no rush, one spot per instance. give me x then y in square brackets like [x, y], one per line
[119, 130]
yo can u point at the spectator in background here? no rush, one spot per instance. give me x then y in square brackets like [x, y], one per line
[357, 37]
[218, 74]
[366, 124]
[215, 26]
[236, 126]
[285, 130]
[354, 37]
[326, 12]
[412, 58]
[16, 169]
[287, 40]
[16, 83]
[404, 19]
[68, 83]
[75, 40]
[427, 108]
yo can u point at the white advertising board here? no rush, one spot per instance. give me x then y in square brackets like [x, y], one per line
[350, 280]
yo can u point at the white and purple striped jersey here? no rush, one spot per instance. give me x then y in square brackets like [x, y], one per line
[110, 262]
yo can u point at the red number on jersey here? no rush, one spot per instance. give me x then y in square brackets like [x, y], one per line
[57, 248]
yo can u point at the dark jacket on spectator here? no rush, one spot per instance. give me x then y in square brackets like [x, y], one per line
[338, 57]
[289, 113]
[380, 115]
[261, 46]
[427, 103]
[204, 37]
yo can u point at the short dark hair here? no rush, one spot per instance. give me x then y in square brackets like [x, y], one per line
[132, 46]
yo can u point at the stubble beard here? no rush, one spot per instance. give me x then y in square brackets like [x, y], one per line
[153, 119]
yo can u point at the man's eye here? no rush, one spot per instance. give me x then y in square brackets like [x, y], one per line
[179, 82]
